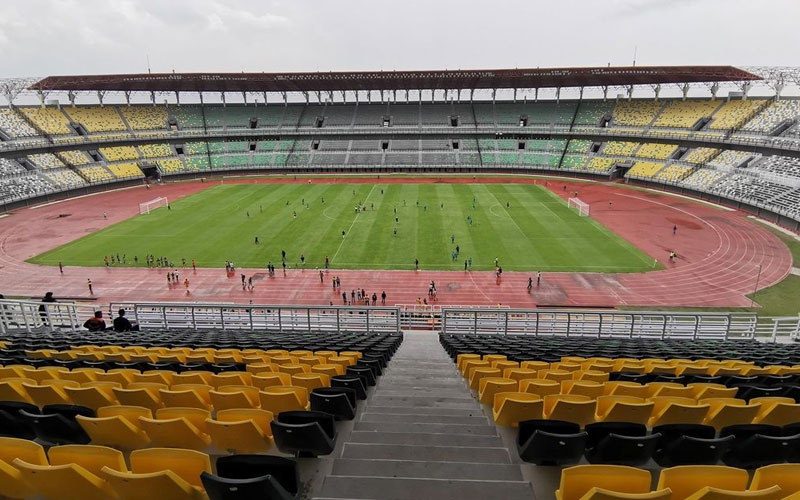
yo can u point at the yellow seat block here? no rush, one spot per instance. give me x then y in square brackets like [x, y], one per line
[241, 431]
[489, 386]
[510, 408]
[577, 481]
[686, 480]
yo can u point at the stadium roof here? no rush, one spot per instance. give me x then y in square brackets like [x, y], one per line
[397, 80]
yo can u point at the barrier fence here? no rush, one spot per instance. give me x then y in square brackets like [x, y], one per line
[615, 324]
[37, 316]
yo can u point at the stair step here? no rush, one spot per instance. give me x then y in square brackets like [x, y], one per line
[413, 489]
[423, 401]
[477, 430]
[377, 416]
[424, 439]
[474, 410]
[426, 453]
[430, 470]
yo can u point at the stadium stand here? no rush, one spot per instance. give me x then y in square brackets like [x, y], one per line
[615, 148]
[674, 173]
[145, 117]
[96, 174]
[187, 117]
[749, 188]
[645, 169]
[156, 150]
[735, 113]
[23, 186]
[64, 178]
[125, 170]
[600, 164]
[773, 115]
[780, 165]
[50, 120]
[684, 114]
[46, 160]
[702, 179]
[656, 151]
[75, 158]
[731, 158]
[636, 113]
[10, 167]
[171, 166]
[97, 119]
[700, 155]
[15, 125]
[591, 112]
[120, 153]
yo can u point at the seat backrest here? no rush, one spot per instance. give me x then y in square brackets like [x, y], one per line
[603, 494]
[787, 476]
[528, 427]
[187, 464]
[262, 418]
[685, 480]
[29, 451]
[284, 470]
[91, 458]
[577, 481]
[153, 485]
[710, 493]
[325, 420]
[129, 413]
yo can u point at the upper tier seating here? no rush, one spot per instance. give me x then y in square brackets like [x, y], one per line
[120, 153]
[657, 151]
[773, 115]
[156, 150]
[15, 125]
[684, 114]
[636, 113]
[145, 117]
[74, 158]
[781, 165]
[617, 148]
[700, 155]
[50, 120]
[96, 118]
[46, 160]
[590, 112]
[731, 158]
[187, 117]
[734, 114]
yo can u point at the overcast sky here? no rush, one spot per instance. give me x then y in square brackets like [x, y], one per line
[48, 37]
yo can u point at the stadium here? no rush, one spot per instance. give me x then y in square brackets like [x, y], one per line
[572, 283]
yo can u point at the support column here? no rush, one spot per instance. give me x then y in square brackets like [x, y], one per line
[685, 90]
[71, 97]
[714, 91]
[222, 95]
[100, 97]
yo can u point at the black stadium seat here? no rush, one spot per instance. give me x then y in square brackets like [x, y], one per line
[252, 477]
[550, 442]
[338, 401]
[304, 433]
[56, 424]
[352, 382]
[12, 424]
[619, 443]
[690, 450]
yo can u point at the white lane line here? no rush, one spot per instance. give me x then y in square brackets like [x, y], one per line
[352, 223]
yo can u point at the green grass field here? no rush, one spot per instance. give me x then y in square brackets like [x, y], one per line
[535, 231]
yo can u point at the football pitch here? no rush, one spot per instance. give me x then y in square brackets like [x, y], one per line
[525, 227]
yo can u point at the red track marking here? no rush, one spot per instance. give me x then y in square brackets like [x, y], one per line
[719, 256]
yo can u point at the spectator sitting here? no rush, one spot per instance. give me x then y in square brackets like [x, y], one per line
[122, 324]
[95, 323]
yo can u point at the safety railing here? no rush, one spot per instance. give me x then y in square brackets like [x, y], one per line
[600, 324]
[280, 318]
[29, 315]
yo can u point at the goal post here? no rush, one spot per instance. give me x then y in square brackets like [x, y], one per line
[144, 208]
[580, 206]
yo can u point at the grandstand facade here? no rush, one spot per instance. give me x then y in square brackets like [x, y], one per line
[736, 150]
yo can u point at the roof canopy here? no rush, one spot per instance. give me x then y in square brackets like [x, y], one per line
[397, 80]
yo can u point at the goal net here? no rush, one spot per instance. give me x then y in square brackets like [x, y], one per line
[581, 207]
[144, 208]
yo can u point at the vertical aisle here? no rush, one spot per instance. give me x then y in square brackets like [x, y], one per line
[421, 435]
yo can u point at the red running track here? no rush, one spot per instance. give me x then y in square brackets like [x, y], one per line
[720, 253]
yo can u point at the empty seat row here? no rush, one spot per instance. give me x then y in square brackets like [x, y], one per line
[84, 472]
[556, 442]
[595, 482]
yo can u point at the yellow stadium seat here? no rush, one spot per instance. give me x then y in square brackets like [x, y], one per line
[540, 387]
[686, 480]
[12, 371]
[557, 375]
[164, 485]
[582, 388]
[466, 365]
[577, 481]
[311, 381]
[510, 408]
[504, 364]
[12, 483]
[494, 357]
[489, 386]
[703, 391]
[115, 431]
[187, 464]
[44, 373]
[330, 370]
[146, 397]
[241, 431]
[187, 396]
[570, 407]
[623, 409]
[519, 373]
[48, 394]
[64, 482]
[123, 376]
[670, 389]
[264, 380]
[729, 411]
[566, 366]
[235, 396]
[591, 376]
[478, 373]
[673, 410]
[709, 493]
[620, 388]
[465, 356]
[91, 458]
[93, 397]
[129, 412]
[787, 476]
[193, 377]
[285, 359]
[256, 368]
[603, 494]
[13, 390]
[176, 432]
[534, 365]
[158, 376]
[284, 398]
[196, 416]
[231, 378]
[776, 411]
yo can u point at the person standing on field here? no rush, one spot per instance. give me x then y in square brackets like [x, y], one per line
[383, 298]
[89, 284]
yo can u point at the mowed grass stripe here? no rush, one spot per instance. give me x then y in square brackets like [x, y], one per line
[536, 232]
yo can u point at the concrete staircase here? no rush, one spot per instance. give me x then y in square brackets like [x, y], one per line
[421, 435]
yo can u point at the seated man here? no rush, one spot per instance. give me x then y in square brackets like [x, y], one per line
[95, 323]
[122, 324]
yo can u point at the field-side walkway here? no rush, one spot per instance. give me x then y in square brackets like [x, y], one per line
[720, 254]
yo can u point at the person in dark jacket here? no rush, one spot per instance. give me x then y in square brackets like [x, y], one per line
[48, 297]
[122, 324]
[96, 323]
